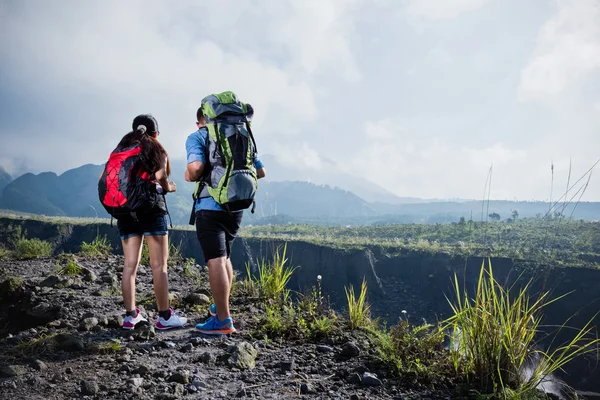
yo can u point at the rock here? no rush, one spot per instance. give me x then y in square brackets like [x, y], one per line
[187, 348]
[354, 378]
[137, 382]
[167, 345]
[199, 299]
[10, 286]
[145, 333]
[69, 342]
[109, 278]
[199, 384]
[88, 324]
[39, 365]
[69, 370]
[207, 358]
[143, 369]
[354, 397]
[350, 349]
[56, 281]
[11, 371]
[115, 321]
[182, 377]
[88, 275]
[44, 312]
[241, 393]
[370, 379]
[321, 348]
[287, 365]
[179, 389]
[305, 388]
[89, 388]
[243, 356]
[35, 381]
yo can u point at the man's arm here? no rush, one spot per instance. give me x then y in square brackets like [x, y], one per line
[195, 146]
[261, 172]
[194, 171]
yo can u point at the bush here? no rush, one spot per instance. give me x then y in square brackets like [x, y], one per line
[414, 352]
[273, 278]
[68, 266]
[100, 246]
[26, 249]
[4, 253]
[358, 309]
[493, 338]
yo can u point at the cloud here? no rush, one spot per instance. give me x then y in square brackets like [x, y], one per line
[405, 160]
[442, 9]
[121, 64]
[567, 51]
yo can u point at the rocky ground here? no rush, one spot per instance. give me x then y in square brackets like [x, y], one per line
[60, 337]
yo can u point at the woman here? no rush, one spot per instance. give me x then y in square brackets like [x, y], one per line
[151, 225]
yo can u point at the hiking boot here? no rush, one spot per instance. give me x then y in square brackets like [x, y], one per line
[130, 322]
[213, 326]
[213, 309]
[174, 321]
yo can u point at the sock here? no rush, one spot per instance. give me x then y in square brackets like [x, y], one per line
[165, 314]
[131, 313]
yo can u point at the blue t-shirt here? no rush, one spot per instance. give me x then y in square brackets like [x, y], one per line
[195, 147]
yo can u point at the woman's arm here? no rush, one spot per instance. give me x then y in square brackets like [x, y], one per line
[162, 178]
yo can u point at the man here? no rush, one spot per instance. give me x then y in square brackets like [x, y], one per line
[216, 229]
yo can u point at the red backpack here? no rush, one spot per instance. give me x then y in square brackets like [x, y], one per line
[125, 189]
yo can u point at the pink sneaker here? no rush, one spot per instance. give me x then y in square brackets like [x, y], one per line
[130, 322]
[174, 321]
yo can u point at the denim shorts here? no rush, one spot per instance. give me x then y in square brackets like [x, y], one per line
[147, 225]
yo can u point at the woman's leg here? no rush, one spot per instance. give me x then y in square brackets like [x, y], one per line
[132, 249]
[158, 246]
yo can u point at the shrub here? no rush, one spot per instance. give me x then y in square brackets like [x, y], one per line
[273, 278]
[26, 249]
[98, 247]
[494, 338]
[414, 352]
[358, 309]
[68, 266]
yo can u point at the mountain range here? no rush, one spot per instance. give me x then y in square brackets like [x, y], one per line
[352, 202]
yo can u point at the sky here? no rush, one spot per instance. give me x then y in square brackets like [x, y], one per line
[420, 97]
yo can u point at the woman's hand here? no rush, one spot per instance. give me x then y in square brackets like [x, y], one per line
[172, 187]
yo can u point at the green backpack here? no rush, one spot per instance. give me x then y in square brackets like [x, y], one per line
[230, 176]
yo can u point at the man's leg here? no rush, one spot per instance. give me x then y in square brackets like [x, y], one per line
[220, 285]
[230, 272]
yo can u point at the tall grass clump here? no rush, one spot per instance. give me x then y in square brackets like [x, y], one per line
[494, 338]
[358, 309]
[26, 249]
[273, 277]
[100, 246]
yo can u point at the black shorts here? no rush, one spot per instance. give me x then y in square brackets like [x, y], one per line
[147, 225]
[216, 231]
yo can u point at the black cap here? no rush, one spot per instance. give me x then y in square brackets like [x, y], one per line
[147, 120]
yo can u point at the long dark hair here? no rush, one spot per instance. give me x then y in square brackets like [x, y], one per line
[152, 151]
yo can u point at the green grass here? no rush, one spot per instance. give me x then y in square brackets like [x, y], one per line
[107, 347]
[359, 311]
[4, 253]
[37, 346]
[274, 276]
[494, 338]
[415, 353]
[67, 266]
[27, 249]
[100, 246]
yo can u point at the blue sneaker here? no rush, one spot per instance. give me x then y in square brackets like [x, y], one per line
[213, 326]
[213, 309]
